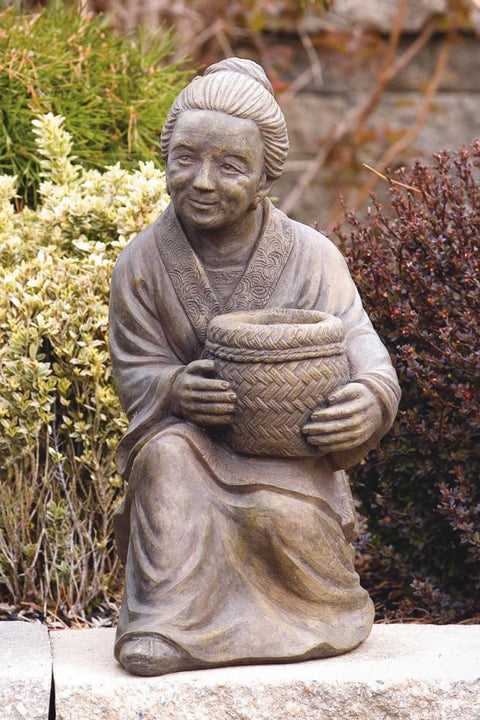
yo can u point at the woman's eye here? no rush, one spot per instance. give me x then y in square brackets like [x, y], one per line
[230, 168]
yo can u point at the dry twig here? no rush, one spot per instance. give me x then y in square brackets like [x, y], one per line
[390, 180]
[410, 135]
[355, 119]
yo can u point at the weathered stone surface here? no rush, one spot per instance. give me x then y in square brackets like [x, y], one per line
[338, 81]
[409, 672]
[26, 671]
[223, 567]
[380, 14]
[462, 74]
[452, 121]
[347, 14]
[339, 72]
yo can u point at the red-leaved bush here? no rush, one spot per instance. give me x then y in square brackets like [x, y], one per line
[416, 265]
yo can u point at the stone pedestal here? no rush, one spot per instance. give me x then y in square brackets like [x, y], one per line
[25, 671]
[402, 672]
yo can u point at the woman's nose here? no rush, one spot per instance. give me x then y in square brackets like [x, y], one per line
[204, 177]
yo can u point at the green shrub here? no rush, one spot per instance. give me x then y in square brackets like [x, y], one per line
[60, 418]
[114, 92]
[417, 267]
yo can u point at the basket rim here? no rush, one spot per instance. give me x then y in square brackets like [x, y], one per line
[275, 329]
[255, 317]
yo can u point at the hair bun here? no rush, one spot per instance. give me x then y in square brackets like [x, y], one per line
[239, 88]
[244, 67]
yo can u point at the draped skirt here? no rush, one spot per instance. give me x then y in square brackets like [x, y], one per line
[235, 559]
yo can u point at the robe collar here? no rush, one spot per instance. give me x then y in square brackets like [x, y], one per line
[190, 281]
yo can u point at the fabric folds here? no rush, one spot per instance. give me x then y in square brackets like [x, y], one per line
[233, 558]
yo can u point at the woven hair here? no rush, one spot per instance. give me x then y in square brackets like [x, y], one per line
[239, 88]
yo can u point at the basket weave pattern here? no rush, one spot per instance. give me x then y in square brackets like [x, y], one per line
[282, 364]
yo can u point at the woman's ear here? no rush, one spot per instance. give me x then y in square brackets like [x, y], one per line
[167, 184]
[264, 187]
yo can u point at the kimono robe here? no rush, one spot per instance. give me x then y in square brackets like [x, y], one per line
[232, 558]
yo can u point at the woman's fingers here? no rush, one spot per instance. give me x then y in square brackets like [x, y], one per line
[213, 408]
[338, 440]
[207, 419]
[201, 398]
[334, 447]
[337, 412]
[351, 391]
[208, 396]
[348, 421]
[200, 366]
[198, 383]
[331, 429]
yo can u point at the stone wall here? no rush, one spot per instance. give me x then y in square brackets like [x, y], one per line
[334, 83]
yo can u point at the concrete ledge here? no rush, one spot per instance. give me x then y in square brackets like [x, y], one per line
[402, 672]
[25, 671]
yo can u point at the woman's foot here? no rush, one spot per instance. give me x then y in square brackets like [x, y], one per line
[152, 655]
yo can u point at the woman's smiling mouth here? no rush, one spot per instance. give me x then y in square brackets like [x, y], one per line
[202, 204]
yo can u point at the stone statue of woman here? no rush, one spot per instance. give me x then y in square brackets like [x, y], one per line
[233, 559]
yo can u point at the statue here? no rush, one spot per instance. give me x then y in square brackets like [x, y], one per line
[235, 557]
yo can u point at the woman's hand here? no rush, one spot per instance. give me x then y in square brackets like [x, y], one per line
[351, 418]
[201, 398]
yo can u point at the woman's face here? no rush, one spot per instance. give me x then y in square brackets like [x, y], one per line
[215, 168]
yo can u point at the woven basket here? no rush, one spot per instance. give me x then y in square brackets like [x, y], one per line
[282, 364]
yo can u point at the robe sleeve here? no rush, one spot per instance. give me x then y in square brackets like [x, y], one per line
[144, 364]
[369, 360]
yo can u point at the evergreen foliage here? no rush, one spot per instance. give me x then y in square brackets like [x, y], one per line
[114, 92]
[60, 419]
